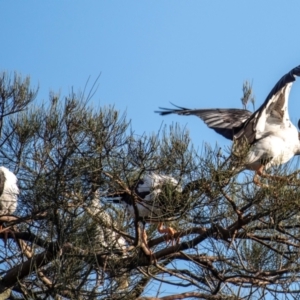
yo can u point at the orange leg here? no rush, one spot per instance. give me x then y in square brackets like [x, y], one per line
[5, 231]
[169, 233]
[259, 173]
[144, 237]
[144, 240]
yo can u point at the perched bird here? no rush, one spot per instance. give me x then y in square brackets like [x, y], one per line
[109, 238]
[9, 192]
[271, 137]
[153, 198]
[105, 238]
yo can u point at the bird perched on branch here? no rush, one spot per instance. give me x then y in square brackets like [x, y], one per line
[106, 238]
[9, 192]
[153, 198]
[271, 137]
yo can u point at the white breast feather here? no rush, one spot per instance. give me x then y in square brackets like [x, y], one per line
[104, 235]
[10, 193]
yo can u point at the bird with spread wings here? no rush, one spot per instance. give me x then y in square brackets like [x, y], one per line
[269, 133]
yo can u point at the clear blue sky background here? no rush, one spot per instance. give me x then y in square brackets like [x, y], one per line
[192, 53]
[149, 53]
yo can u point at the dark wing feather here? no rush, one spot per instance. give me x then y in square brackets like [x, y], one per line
[272, 106]
[224, 121]
[124, 196]
[2, 182]
[240, 123]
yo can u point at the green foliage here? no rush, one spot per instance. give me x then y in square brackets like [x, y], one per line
[234, 239]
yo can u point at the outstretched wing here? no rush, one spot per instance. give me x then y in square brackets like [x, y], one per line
[226, 122]
[272, 113]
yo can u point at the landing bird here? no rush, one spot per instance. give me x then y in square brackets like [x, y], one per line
[157, 200]
[271, 136]
[9, 192]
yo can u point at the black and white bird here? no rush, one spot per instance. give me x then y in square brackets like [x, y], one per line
[153, 198]
[9, 192]
[269, 133]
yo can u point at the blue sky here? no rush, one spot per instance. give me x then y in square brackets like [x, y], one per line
[149, 53]
[192, 53]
